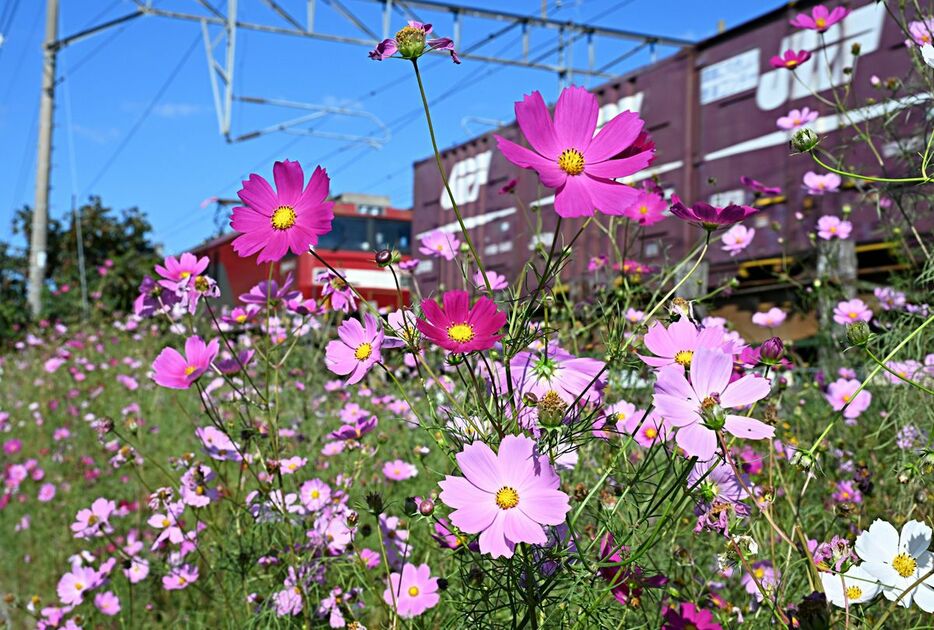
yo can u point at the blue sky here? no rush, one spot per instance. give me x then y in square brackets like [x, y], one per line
[176, 158]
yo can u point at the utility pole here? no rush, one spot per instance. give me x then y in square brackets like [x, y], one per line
[40, 212]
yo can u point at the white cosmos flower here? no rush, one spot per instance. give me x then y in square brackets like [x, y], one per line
[856, 586]
[927, 53]
[899, 561]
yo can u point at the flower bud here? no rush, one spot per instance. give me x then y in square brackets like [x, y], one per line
[804, 141]
[426, 507]
[551, 409]
[772, 351]
[375, 502]
[803, 460]
[857, 333]
[384, 258]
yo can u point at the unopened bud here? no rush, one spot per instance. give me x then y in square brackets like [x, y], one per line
[426, 507]
[804, 140]
[384, 258]
[803, 460]
[858, 333]
[772, 351]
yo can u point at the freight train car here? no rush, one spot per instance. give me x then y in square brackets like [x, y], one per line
[363, 225]
[711, 110]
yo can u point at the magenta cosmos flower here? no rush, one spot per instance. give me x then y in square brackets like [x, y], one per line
[179, 273]
[440, 245]
[172, 370]
[357, 350]
[821, 184]
[413, 592]
[789, 59]
[275, 221]
[569, 158]
[411, 42]
[679, 342]
[820, 19]
[710, 217]
[506, 497]
[849, 311]
[737, 238]
[688, 616]
[797, 118]
[458, 327]
[830, 227]
[842, 393]
[647, 209]
[698, 407]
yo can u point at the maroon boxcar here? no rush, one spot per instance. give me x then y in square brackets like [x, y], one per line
[711, 109]
[363, 224]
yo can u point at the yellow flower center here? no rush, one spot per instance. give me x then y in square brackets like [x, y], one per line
[92, 520]
[184, 275]
[854, 592]
[821, 22]
[190, 370]
[363, 352]
[182, 581]
[759, 572]
[413, 591]
[643, 209]
[650, 433]
[283, 218]
[571, 161]
[166, 522]
[683, 357]
[79, 586]
[440, 247]
[853, 315]
[461, 333]
[904, 564]
[846, 398]
[833, 229]
[507, 498]
[315, 494]
[202, 284]
[241, 319]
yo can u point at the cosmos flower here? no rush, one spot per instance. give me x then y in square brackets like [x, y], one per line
[758, 187]
[849, 311]
[459, 327]
[797, 118]
[767, 576]
[107, 603]
[889, 299]
[830, 227]
[647, 209]
[180, 577]
[556, 371]
[820, 184]
[678, 343]
[570, 159]
[698, 408]
[440, 245]
[269, 292]
[737, 238]
[847, 492]
[413, 591]
[398, 470]
[336, 294]
[688, 616]
[789, 59]
[770, 319]
[506, 497]
[820, 19]
[497, 281]
[218, 445]
[856, 586]
[842, 392]
[927, 54]
[73, 585]
[411, 42]
[94, 521]
[181, 272]
[921, 32]
[898, 561]
[314, 494]
[626, 582]
[172, 370]
[288, 218]
[357, 349]
[708, 217]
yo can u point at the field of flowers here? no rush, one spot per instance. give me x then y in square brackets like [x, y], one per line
[494, 456]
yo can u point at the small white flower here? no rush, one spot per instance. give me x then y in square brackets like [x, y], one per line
[927, 53]
[899, 561]
[856, 586]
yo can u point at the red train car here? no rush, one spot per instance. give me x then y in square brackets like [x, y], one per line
[363, 225]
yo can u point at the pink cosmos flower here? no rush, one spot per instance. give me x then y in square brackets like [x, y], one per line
[179, 273]
[758, 187]
[771, 318]
[688, 616]
[107, 603]
[767, 576]
[505, 497]
[737, 238]
[789, 59]
[172, 370]
[292, 465]
[710, 217]
[849, 311]
[797, 118]
[46, 492]
[180, 577]
[653, 429]
[842, 392]
[678, 342]
[830, 227]
[336, 294]
[497, 281]
[820, 184]
[357, 350]
[921, 32]
[218, 445]
[314, 494]
[847, 492]
[74, 584]
[398, 470]
[411, 41]
[569, 158]
[820, 19]
[647, 209]
[458, 327]
[274, 221]
[440, 244]
[698, 408]
[94, 521]
[413, 592]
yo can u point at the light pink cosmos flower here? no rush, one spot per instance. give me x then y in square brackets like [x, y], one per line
[506, 497]
[74, 584]
[830, 227]
[737, 238]
[648, 431]
[357, 350]
[820, 19]
[314, 494]
[46, 492]
[647, 209]
[698, 408]
[849, 311]
[107, 603]
[95, 521]
[218, 445]
[288, 218]
[797, 118]
[569, 158]
[440, 245]
[678, 343]
[821, 184]
[398, 470]
[413, 592]
[179, 273]
[497, 281]
[172, 370]
[291, 465]
[771, 318]
[842, 392]
[137, 572]
[180, 577]
[921, 32]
